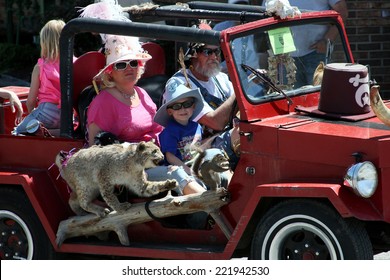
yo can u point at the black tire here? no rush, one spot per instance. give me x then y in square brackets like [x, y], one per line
[21, 233]
[308, 229]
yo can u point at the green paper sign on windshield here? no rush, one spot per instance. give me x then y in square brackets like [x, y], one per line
[281, 40]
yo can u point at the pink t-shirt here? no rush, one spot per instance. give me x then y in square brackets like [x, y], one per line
[49, 82]
[131, 124]
[49, 79]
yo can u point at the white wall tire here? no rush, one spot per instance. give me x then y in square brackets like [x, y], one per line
[307, 229]
[22, 236]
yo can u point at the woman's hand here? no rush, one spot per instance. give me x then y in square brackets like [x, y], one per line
[14, 102]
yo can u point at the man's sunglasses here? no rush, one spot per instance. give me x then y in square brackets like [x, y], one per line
[120, 66]
[208, 51]
[178, 106]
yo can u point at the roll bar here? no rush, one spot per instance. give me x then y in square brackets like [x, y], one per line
[79, 25]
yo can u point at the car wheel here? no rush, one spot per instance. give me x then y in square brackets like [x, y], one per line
[308, 229]
[21, 233]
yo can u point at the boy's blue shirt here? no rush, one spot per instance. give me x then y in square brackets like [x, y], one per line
[176, 139]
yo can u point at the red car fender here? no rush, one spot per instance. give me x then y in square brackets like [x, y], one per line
[342, 199]
[47, 203]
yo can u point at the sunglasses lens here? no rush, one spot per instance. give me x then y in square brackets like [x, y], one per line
[120, 65]
[123, 65]
[187, 104]
[176, 106]
[208, 52]
[133, 63]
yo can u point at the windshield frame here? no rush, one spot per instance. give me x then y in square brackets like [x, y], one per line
[247, 29]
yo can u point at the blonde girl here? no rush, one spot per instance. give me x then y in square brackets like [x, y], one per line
[44, 98]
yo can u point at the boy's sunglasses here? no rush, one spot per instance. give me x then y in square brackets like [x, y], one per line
[178, 106]
[120, 66]
[208, 51]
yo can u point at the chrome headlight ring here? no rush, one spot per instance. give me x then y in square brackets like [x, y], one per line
[362, 177]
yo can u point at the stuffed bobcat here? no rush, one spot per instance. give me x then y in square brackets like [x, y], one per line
[97, 170]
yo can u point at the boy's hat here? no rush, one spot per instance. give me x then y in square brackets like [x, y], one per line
[119, 48]
[174, 92]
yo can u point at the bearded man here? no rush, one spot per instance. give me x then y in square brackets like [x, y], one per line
[204, 72]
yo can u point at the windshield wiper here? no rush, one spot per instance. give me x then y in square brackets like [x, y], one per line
[266, 80]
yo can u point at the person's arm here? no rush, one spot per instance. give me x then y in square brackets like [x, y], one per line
[34, 86]
[218, 118]
[174, 160]
[341, 8]
[15, 102]
[332, 33]
[93, 130]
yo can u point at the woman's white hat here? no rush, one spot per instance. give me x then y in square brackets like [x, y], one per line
[119, 48]
[176, 91]
[105, 9]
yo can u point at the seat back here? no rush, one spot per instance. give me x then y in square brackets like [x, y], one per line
[154, 86]
[155, 66]
[84, 69]
[86, 97]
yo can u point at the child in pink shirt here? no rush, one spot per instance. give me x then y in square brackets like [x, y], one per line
[45, 83]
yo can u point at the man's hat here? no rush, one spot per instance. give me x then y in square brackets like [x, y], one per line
[176, 91]
[192, 47]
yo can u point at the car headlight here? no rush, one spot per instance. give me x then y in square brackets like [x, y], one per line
[362, 178]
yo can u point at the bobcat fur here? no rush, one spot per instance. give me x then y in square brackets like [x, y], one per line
[97, 170]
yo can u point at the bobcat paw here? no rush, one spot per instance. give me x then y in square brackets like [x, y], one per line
[171, 184]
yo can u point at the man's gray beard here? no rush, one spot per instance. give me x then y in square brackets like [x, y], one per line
[207, 71]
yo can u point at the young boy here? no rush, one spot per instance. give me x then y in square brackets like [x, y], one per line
[181, 134]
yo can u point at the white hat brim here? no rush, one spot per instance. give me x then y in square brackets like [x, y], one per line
[162, 116]
[138, 56]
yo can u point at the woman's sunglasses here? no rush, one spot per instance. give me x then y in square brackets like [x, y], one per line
[208, 51]
[178, 106]
[120, 66]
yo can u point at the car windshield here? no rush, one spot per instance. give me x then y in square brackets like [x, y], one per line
[285, 58]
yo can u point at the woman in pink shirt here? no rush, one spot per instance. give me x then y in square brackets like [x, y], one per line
[45, 83]
[126, 110]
